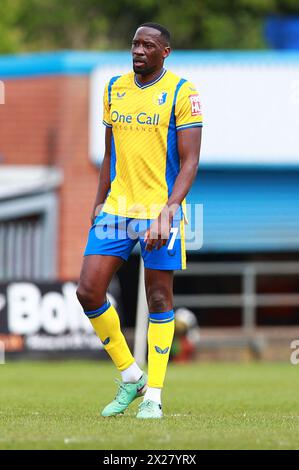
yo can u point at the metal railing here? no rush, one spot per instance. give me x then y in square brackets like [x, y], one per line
[249, 299]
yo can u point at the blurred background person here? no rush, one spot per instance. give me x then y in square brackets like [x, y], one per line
[186, 336]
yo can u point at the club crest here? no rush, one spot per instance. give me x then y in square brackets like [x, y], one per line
[160, 98]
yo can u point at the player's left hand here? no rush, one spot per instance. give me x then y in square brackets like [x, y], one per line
[158, 233]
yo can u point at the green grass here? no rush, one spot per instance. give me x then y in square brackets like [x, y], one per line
[56, 405]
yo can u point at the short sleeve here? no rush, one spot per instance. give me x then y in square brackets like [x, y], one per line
[106, 108]
[188, 107]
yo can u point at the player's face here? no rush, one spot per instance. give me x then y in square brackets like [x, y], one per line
[148, 51]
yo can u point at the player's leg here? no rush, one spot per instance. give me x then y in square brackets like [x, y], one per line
[96, 274]
[159, 292]
[107, 248]
[108, 245]
[159, 267]
[95, 277]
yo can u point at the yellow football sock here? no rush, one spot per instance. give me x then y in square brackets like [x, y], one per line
[160, 336]
[106, 324]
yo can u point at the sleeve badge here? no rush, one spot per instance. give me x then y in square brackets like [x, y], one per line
[195, 105]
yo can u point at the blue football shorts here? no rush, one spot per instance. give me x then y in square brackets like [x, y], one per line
[116, 236]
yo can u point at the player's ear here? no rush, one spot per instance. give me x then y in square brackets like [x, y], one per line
[166, 52]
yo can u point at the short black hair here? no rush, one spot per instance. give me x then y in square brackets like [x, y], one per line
[164, 31]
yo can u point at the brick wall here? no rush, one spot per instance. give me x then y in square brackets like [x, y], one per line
[45, 122]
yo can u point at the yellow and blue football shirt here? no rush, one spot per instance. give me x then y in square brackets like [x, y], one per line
[145, 120]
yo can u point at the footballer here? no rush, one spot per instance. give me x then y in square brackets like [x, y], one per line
[152, 144]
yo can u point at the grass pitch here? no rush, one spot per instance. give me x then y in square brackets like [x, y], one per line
[56, 405]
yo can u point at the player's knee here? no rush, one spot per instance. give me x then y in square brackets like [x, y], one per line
[82, 295]
[88, 297]
[158, 300]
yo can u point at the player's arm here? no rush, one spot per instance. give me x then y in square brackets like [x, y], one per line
[188, 125]
[189, 142]
[104, 177]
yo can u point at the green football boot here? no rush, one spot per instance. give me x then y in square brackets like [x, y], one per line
[127, 392]
[149, 409]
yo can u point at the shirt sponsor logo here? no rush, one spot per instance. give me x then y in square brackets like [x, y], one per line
[141, 118]
[195, 105]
